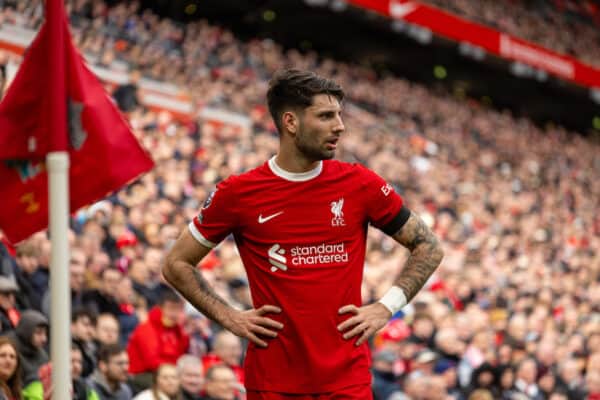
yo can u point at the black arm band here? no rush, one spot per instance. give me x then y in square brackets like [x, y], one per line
[397, 222]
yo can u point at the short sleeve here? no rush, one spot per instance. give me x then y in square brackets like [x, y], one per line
[218, 216]
[384, 207]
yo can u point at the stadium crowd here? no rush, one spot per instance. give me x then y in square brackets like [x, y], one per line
[513, 312]
[568, 27]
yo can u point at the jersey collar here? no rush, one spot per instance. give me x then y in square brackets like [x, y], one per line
[295, 176]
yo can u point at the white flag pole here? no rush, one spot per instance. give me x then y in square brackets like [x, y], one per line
[60, 293]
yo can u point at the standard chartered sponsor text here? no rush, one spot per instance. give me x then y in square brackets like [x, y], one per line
[319, 254]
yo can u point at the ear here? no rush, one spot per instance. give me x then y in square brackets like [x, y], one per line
[290, 122]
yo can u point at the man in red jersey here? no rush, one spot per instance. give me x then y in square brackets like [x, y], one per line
[300, 223]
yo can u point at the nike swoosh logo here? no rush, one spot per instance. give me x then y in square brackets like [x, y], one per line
[262, 220]
[402, 10]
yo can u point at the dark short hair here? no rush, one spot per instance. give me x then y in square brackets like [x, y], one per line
[108, 351]
[79, 313]
[295, 89]
[168, 294]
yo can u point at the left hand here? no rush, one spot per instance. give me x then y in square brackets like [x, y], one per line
[366, 321]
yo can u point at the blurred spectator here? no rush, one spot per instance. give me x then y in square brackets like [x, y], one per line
[553, 24]
[107, 329]
[424, 362]
[525, 383]
[81, 389]
[82, 334]
[77, 264]
[10, 370]
[483, 377]
[200, 331]
[31, 337]
[191, 374]
[128, 319]
[159, 340]
[126, 95]
[220, 383]
[593, 385]
[570, 379]
[423, 330]
[42, 389]
[102, 300]
[9, 316]
[165, 385]
[142, 282]
[447, 370]
[110, 377]
[384, 379]
[481, 394]
[227, 349]
[26, 265]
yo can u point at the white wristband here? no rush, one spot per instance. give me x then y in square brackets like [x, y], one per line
[394, 299]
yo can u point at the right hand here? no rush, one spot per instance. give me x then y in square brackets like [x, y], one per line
[252, 323]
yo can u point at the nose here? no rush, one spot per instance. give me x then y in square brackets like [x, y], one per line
[339, 125]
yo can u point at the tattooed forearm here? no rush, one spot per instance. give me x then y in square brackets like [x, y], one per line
[425, 255]
[192, 285]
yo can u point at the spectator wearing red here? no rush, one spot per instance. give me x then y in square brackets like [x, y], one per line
[227, 349]
[159, 340]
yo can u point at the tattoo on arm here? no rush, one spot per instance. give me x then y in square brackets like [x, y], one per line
[197, 290]
[425, 255]
[207, 290]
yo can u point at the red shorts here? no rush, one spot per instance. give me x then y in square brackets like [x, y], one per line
[356, 392]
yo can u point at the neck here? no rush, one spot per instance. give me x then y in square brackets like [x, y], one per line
[294, 162]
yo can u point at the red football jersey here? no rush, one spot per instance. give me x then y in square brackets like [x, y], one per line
[302, 237]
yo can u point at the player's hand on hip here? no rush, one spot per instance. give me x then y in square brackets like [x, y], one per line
[252, 324]
[366, 321]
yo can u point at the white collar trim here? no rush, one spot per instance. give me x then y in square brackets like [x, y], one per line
[295, 176]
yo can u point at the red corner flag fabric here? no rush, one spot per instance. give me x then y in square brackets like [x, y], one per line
[104, 154]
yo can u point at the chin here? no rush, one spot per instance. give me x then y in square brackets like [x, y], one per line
[328, 155]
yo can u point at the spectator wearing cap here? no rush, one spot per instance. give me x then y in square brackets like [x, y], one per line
[31, 337]
[447, 370]
[384, 379]
[126, 244]
[424, 361]
[159, 340]
[102, 300]
[9, 316]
